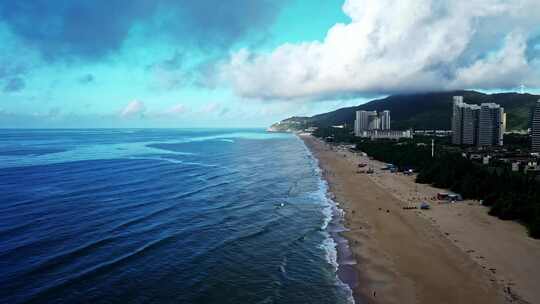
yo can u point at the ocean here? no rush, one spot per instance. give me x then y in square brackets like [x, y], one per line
[165, 216]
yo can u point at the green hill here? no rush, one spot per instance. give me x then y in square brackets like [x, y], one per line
[427, 110]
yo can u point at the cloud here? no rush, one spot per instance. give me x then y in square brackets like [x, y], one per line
[167, 74]
[8, 68]
[177, 110]
[132, 109]
[215, 109]
[13, 85]
[86, 79]
[224, 111]
[173, 63]
[398, 47]
[162, 79]
[500, 69]
[533, 48]
[79, 28]
[174, 73]
[210, 108]
[217, 23]
[54, 112]
[90, 30]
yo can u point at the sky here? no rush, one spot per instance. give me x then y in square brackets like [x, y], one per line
[249, 63]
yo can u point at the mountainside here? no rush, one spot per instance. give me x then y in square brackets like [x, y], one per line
[427, 110]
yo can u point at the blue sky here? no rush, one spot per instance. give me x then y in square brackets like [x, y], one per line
[244, 63]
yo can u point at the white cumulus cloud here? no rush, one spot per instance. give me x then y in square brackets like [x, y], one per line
[392, 46]
[177, 110]
[134, 108]
[209, 108]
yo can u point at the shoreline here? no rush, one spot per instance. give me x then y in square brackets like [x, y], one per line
[341, 255]
[405, 256]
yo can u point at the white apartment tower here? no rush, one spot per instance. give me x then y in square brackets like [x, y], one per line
[371, 120]
[362, 121]
[535, 128]
[482, 125]
[374, 122]
[457, 118]
[385, 120]
[464, 122]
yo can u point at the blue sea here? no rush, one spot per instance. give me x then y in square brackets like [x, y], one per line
[165, 216]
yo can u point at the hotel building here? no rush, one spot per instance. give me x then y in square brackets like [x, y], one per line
[371, 120]
[482, 125]
[535, 128]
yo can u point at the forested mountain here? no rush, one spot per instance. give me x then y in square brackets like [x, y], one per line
[427, 110]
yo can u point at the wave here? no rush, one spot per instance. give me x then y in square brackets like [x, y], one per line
[253, 226]
[331, 212]
[17, 229]
[226, 174]
[97, 151]
[67, 257]
[99, 185]
[101, 268]
[330, 248]
[163, 202]
[64, 258]
[108, 150]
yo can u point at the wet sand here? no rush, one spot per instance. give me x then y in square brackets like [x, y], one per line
[449, 254]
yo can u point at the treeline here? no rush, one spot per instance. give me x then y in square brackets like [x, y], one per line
[339, 135]
[515, 141]
[404, 154]
[510, 195]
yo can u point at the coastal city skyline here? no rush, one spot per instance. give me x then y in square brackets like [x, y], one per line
[248, 63]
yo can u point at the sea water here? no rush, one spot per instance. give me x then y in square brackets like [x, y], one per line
[165, 216]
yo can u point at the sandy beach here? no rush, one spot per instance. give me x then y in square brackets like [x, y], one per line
[453, 253]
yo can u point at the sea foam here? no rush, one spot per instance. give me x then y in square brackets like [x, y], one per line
[331, 214]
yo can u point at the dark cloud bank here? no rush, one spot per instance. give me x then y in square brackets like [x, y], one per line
[15, 84]
[93, 29]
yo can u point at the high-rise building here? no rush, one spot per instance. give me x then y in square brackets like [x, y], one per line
[457, 118]
[469, 131]
[361, 122]
[464, 122]
[535, 128]
[374, 122]
[357, 123]
[491, 125]
[482, 125]
[371, 120]
[385, 120]
[503, 127]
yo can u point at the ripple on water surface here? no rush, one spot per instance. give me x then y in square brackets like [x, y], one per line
[164, 216]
